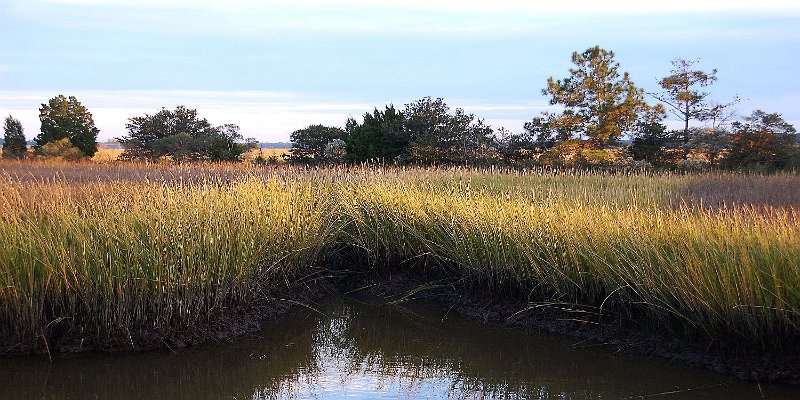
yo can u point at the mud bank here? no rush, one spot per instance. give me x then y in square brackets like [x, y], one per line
[631, 337]
[224, 324]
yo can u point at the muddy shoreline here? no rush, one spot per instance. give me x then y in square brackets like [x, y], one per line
[227, 324]
[398, 287]
[511, 311]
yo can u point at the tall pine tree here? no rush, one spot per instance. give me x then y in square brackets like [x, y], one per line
[14, 139]
[598, 101]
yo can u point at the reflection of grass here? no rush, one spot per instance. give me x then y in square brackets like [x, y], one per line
[261, 366]
[169, 248]
[479, 361]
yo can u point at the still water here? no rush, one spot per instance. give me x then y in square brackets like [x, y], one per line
[350, 349]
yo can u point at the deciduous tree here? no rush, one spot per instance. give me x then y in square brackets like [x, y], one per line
[65, 117]
[762, 141]
[308, 144]
[181, 135]
[437, 136]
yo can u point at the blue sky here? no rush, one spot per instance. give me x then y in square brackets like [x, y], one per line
[275, 66]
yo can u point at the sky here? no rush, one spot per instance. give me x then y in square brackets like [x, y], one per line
[272, 67]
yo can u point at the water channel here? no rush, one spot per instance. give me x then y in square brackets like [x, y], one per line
[347, 348]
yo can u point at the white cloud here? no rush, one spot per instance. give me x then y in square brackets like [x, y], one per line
[267, 116]
[479, 6]
[412, 16]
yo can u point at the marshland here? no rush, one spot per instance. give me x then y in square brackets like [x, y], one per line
[698, 268]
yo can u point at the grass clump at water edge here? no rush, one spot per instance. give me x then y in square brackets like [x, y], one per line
[109, 258]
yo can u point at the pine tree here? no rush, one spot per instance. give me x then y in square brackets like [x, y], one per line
[599, 101]
[14, 139]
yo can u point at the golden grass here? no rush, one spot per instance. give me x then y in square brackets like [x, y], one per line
[118, 248]
[276, 154]
[108, 257]
[725, 274]
[104, 154]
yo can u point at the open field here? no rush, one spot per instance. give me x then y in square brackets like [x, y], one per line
[108, 250]
[105, 154]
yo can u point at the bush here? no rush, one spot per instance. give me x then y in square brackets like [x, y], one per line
[61, 149]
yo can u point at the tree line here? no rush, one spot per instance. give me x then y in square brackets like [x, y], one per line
[604, 120]
[68, 132]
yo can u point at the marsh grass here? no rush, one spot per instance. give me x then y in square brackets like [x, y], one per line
[611, 245]
[103, 250]
[110, 257]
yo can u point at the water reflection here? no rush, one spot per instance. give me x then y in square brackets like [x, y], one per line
[356, 350]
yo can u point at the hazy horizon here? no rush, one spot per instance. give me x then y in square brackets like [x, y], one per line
[274, 67]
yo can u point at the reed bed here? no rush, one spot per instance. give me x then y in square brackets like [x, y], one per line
[110, 253]
[114, 258]
[727, 275]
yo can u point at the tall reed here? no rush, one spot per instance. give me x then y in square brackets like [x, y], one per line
[110, 253]
[731, 274]
[114, 257]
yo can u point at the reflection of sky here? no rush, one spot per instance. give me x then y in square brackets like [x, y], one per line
[433, 356]
[341, 372]
[319, 62]
[368, 351]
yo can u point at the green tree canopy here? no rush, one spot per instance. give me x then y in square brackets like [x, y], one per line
[181, 135]
[381, 136]
[762, 141]
[648, 142]
[437, 136]
[308, 144]
[599, 101]
[550, 129]
[14, 145]
[65, 117]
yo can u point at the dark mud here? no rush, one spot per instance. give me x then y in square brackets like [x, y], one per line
[225, 324]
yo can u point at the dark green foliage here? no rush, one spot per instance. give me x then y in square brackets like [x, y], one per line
[649, 142]
[550, 129]
[308, 144]
[515, 148]
[65, 117]
[182, 136]
[436, 136]
[762, 142]
[380, 137]
[13, 139]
